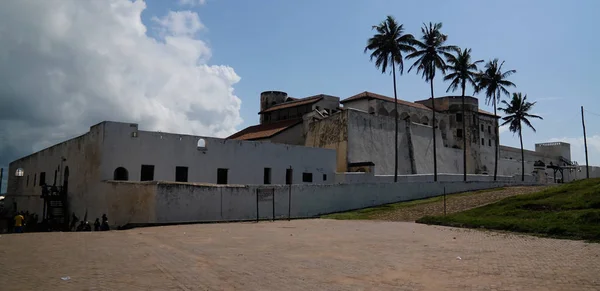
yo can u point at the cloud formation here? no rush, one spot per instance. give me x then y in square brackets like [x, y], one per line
[68, 64]
[192, 2]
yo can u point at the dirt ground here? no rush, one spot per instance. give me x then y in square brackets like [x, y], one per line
[455, 203]
[318, 254]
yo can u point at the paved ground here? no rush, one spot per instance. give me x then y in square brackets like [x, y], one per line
[297, 255]
[456, 203]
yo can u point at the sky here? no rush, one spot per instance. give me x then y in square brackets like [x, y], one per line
[198, 66]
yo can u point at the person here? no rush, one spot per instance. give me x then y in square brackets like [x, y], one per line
[74, 221]
[81, 226]
[87, 226]
[97, 224]
[19, 221]
[104, 226]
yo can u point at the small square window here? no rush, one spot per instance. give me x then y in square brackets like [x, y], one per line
[307, 177]
[181, 174]
[147, 173]
[459, 133]
[222, 176]
[267, 176]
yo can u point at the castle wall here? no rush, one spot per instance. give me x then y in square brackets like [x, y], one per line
[331, 133]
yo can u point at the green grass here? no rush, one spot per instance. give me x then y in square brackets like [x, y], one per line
[568, 211]
[371, 212]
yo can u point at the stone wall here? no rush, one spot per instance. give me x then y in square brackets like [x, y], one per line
[178, 203]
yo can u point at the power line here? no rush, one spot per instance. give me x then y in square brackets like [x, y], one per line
[592, 113]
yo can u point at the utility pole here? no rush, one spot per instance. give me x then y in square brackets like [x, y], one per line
[587, 165]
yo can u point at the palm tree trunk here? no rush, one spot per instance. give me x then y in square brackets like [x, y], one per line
[496, 140]
[434, 139]
[522, 158]
[464, 129]
[396, 119]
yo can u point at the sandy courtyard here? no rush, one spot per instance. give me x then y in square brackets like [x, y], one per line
[296, 255]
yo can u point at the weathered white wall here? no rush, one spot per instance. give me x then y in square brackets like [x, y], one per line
[245, 160]
[371, 139]
[82, 159]
[188, 203]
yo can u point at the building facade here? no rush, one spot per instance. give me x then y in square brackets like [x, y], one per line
[120, 151]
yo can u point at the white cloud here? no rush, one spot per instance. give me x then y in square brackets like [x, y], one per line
[192, 2]
[68, 64]
[578, 149]
[180, 23]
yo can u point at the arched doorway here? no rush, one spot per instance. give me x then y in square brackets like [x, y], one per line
[121, 174]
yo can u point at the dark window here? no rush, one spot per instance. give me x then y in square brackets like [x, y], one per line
[474, 119]
[222, 176]
[288, 176]
[55, 171]
[490, 142]
[459, 117]
[307, 177]
[324, 177]
[267, 176]
[482, 141]
[482, 128]
[147, 173]
[459, 133]
[27, 180]
[181, 174]
[120, 174]
[34, 179]
[489, 129]
[42, 178]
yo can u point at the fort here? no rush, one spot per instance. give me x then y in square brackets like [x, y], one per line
[314, 155]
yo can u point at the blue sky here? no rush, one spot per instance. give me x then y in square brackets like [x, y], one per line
[310, 47]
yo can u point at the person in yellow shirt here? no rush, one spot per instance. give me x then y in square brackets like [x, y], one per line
[19, 219]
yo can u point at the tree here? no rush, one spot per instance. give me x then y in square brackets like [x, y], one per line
[462, 71]
[517, 114]
[430, 57]
[494, 82]
[387, 46]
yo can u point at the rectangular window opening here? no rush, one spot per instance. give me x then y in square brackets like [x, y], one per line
[324, 177]
[307, 177]
[489, 129]
[222, 176]
[482, 141]
[490, 142]
[267, 176]
[42, 178]
[482, 128]
[181, 174]
[147, 173]
[289, 176]
[459, 133]
[459, 117]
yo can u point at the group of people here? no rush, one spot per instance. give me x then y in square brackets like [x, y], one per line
[85, 225]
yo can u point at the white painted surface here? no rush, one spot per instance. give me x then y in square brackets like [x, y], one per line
[245, 160]
[177, 203]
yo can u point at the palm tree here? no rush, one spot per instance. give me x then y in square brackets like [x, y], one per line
[463, 71]
[518, 113]
[429, 59]
[494, 82]
[386, 48]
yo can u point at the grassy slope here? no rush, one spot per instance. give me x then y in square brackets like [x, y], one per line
[368, 213]
[569, 211]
